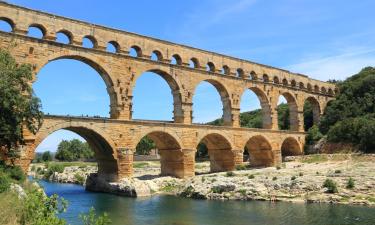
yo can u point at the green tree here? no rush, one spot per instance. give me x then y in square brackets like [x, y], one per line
[350, 117]
[18, 105]
[202, 151]
[283, 116]
[145, 146]
[46, 156]
[74, 150]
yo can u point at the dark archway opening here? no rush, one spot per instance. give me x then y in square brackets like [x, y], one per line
[290, 147]
[259, 152]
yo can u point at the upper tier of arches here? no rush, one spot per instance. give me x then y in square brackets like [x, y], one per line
[145, 47]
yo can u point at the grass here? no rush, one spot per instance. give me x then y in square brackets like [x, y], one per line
[10, 207]
[66, 164]
[140, 164]
[230, 174]
[315, 159]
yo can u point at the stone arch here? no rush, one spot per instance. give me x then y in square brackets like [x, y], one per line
[158, 54]
[225, 70]
[222, 158]
[92, 39]
[290, 147]
[260, 151]
[9, 22]
[330, 91]
[316, 89]
[324, 90]
[40, 27]
[240, 73]
[211, 67]
[98, 140]
[85, 58]
[177, 58]
[137, 50]
[301, 85]
[293, 110]
[285, 82]
[265, 105]
[316, 109]
[170, 150]
[309, 87]
[175, 90]
[116, 45]
[266, 78]
[293, 83]
[225, 99]
[276, 80]
[194, 63]
[253, 75]
[67, 33]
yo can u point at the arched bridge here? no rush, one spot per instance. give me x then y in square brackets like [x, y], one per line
[183, 68]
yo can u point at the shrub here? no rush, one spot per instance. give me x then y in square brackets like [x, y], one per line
[16, 173]
[52, 168]
[251, 176]
[274, 178]
[313, 135]
[92, 219]
[337, 171]
[241, 167]
[230, 174]
[300, 174]
[293, 178]
[330, 185]
[278, 167]
[350, 184]
[4, 182]
[80, 179]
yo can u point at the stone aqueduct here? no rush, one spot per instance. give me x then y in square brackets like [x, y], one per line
[115, 139]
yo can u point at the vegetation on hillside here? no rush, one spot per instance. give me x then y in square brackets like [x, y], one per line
[145, 146]
[350, 118]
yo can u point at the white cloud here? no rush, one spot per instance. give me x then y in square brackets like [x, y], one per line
[340, 66]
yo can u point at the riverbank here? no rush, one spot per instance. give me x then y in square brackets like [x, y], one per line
[298, 180]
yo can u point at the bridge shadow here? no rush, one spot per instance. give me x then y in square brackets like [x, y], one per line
[148, 177]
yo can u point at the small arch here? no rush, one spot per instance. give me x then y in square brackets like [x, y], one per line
[316, 89]
[135, 51]
[240, 73]
[176, 60]
[253, 76]
[210, 67]
[290, 147]
[260, 151]
[276, 80]
[156, 56]
[64, 37]
[309, 87]
[89, 41]
[37, 31]
[194, 63]
[6, 24]
[293, 83]
[266, 79]
[225, 70]
[324, 90]
[301, 85]
[330, 91]
[113, 47]
[311, 112]
[285, 82]
[220, 152]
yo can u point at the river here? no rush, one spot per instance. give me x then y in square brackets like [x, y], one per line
[170, 210]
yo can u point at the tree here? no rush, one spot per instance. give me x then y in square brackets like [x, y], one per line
[19, 107]
[74, 150]
[46, 156]
[283, 116]
[145, 146]
[350, 118]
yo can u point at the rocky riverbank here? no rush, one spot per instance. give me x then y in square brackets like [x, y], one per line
[300, 179]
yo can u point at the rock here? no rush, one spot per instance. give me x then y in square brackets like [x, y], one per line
[223, 187]
[18, 190]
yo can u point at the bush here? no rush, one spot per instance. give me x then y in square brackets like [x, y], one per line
[313, 135]
[52, 168]
[300, 174]
[274, 178]
[92, 219]
[337, 171]
[350, 184]
[278, 167]
[251, 176]
[16, 173]
[330, 185]
[293, 178]
[230, 174]
[241, 167]
[80, 179]
[4, 182]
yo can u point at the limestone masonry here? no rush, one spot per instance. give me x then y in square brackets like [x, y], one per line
[114, 140]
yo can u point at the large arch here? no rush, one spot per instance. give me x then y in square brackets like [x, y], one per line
[171, 155]
[113, 98]
[264, 104]
[260, 151]
[225, 99]
[222, 158]
[290, 147]
[311, 106]
[293, 111]
[98, 140]
[175, 91]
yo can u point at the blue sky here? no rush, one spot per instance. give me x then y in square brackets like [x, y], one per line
[323, 39]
